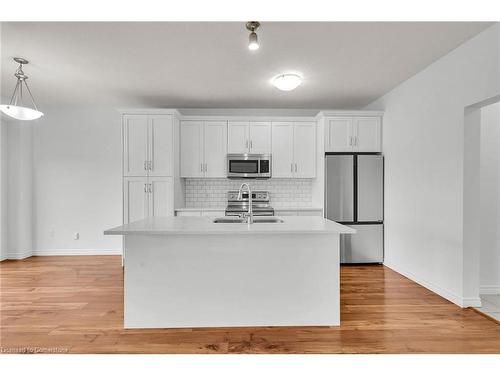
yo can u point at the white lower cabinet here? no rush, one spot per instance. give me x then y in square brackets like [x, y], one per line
[187, 213]
[146, 197]
[200, 212]
[135, 199]
[296, 212]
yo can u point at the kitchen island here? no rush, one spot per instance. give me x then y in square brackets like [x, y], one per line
[192, 272]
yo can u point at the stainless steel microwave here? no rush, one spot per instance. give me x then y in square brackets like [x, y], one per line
[249, 166]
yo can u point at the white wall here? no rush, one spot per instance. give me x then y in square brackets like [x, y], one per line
[77, 180]
[490, 199]
[423, 140]
[3, 175]
[19, 189]
[3, 190]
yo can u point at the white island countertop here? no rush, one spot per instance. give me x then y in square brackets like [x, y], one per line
[205, 225]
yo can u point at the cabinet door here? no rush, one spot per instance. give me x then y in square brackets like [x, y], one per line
[135, 145]
[304, 149]
[282, 146]
[367, 133]
[260, 137]
[191, 148]
[237, 137]
[135, 199]
[215, 148]
[161, 145]
[339, 135]
[161, 196]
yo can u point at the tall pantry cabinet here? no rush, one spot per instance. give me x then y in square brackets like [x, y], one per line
[148, 166]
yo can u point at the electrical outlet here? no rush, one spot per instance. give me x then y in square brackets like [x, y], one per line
[76, 236]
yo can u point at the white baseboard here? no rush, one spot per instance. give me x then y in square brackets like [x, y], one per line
[489, 289]
[60, 252]
[471, 302]
[17, 256]
[450, 296]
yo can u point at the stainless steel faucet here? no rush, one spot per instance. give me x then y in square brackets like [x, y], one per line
[249, 215]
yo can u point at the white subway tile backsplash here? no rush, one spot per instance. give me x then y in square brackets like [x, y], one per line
[209, 193]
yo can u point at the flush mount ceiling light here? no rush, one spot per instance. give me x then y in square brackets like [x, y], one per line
[287, 81]
[253, 42]
[16, 107]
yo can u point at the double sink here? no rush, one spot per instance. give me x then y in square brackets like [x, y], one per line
[239, 220]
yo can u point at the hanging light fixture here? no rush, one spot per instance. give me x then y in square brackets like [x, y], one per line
[16, 108]
[253, 42]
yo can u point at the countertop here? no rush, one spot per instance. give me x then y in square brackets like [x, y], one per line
[203, 225]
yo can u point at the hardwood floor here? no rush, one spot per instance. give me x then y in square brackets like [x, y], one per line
[75, 304]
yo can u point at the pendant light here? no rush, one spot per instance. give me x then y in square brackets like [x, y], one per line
[253, 41]
[17, 108]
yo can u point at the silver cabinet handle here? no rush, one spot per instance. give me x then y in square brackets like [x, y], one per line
[291, 167]
[145, 165]
[246, 143]
[206, 167]
[150, 188]
[350, 141]
[150, 165]
[251, 144]
[296, 167]
[145, 188]
[201, 167]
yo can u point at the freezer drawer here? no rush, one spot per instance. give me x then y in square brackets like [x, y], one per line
[365, 246]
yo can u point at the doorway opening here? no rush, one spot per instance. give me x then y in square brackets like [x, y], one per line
[481, 218]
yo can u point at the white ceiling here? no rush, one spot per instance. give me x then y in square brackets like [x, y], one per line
[198, 65]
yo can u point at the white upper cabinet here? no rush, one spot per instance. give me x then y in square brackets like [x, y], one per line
[191, 148]
[353, 134]
[161, 152]
[282, 157]
[259, 137]
[237, 137]
[339, 134]
[294, 149]
[203, 148]
[148, 145]
[249, 137]
[215, 148]
[304, 149]
[135, 145]
[368, 134]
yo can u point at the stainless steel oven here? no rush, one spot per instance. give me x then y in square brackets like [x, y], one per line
[249, 166]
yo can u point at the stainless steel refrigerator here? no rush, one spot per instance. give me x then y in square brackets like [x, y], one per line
[354, 195]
